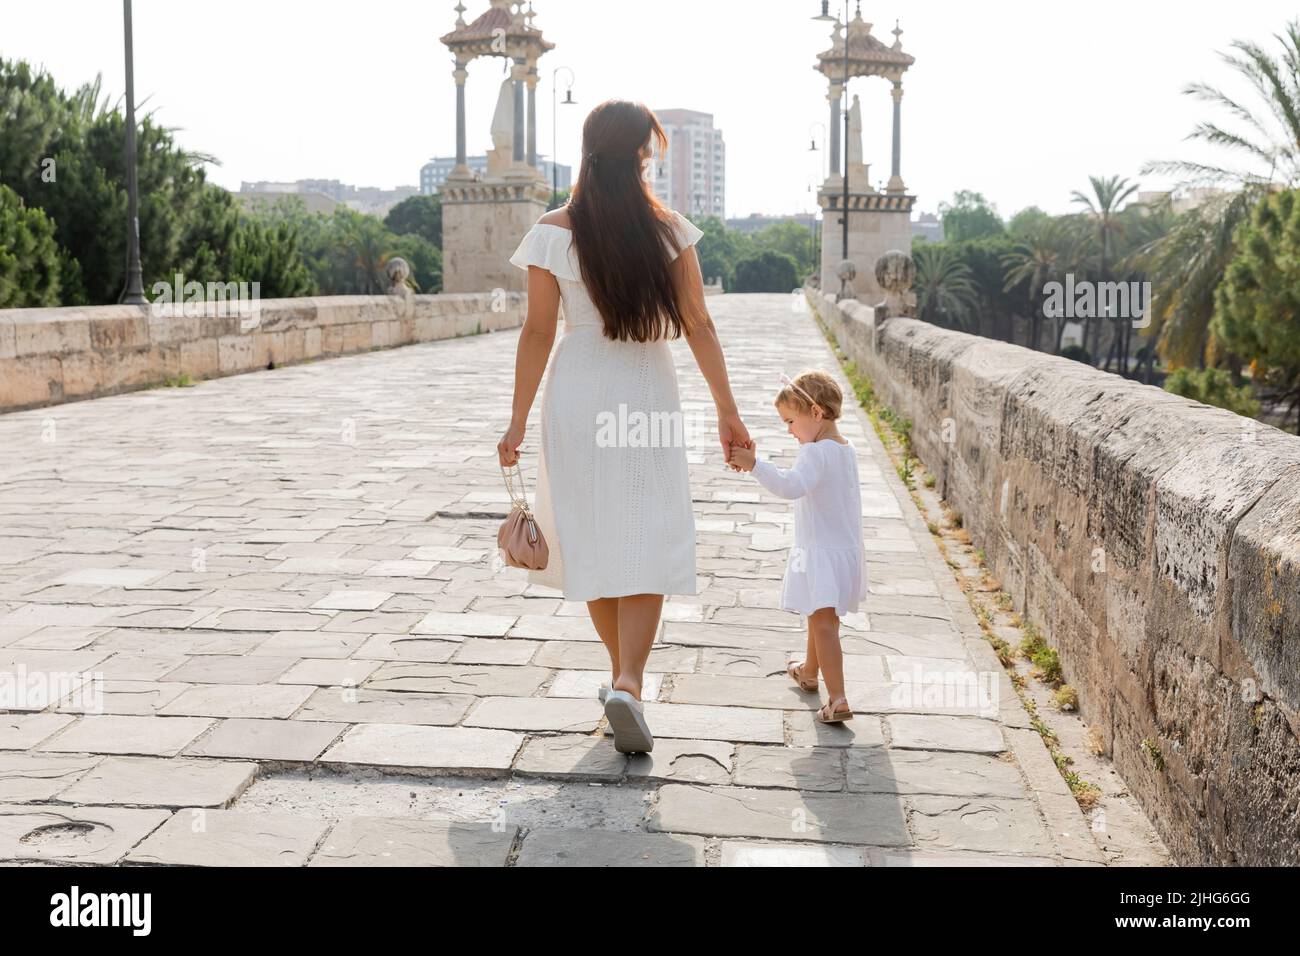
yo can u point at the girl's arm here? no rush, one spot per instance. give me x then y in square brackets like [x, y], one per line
[793, 482]
[702, 337]
[535, 341]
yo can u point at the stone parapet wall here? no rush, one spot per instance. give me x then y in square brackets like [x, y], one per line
[48, 356]
[1154, 541]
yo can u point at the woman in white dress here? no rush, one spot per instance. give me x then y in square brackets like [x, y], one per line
[614, 502]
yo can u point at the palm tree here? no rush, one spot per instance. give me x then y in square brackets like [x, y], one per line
[365, 245]
[1102, 208]
[945, 287]
[1045, 254]
[1186, 264]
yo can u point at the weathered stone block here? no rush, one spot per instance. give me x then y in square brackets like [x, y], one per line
[29, 381]
[1264, 568]
[49, 335]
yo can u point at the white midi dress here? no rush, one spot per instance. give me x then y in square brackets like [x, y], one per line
[613, 500]
[827, 565]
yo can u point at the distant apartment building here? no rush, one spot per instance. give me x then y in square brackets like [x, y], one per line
[367, 199]
[1181, 201]
[435, 172]
[691, 175]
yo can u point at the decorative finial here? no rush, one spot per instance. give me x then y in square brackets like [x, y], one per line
[898, 36]
[460, 14]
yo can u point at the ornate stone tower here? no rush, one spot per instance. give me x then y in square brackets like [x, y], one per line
[878, 221]
[484, 217]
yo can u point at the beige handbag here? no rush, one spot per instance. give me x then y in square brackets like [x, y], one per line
[519, 538]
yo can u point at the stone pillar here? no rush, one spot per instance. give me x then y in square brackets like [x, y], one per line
[461, 171]
[836, 146]
[532, 116]
[518, 76]
[895, 179]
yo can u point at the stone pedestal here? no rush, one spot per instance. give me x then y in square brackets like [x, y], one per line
[878, 222]
[482, 224]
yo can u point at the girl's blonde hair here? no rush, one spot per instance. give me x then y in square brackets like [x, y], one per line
[816, 385]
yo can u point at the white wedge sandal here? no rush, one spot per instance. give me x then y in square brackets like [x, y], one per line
[626, 718]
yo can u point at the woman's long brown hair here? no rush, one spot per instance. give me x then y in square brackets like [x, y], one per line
[620, 228]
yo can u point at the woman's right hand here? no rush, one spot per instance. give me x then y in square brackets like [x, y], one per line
[508, 446]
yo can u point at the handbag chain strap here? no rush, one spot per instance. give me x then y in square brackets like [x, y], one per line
[518, 497]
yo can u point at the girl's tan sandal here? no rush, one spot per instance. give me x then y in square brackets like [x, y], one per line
[828, 714]
[795, 670]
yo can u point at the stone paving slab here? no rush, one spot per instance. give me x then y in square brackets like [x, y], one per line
[684, 761]
[544, 847]
[987, 824]
[353, 706]
[139, 698]
[804, 730]
[536, 713]
[444, 748]
[586, 684]
[376, 841]
[796, 768]
[770, 692]
[278, 740]
[878, 770]
[201, 837]
[578, 755]
[714, 723]
[459, 679]
[83, 835]
[27, 777]
[111, 734]
[24, 731]
[161, 782]
[296, 567]
[931, 732]
[876, 819]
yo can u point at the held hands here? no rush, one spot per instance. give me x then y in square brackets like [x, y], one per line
[733, 435]
[742, 457]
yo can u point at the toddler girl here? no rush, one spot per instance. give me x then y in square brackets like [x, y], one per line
[825, 576]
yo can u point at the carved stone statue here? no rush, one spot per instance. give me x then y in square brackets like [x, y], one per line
[503, 130]
[855, 132]
[896, 274]
[847, 272]
[398, 272]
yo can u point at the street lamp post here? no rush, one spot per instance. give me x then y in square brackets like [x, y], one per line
[844, 216]
[821, 172]
[133, 291]
[555, 139]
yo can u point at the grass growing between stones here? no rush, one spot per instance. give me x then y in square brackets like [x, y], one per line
[991, 605]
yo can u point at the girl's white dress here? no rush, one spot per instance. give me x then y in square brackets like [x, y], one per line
[613, 488]
[827, 565]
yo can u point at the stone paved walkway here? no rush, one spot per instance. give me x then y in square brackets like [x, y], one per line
[282, 587]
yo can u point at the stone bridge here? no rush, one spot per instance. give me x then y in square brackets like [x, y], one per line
[269, 602]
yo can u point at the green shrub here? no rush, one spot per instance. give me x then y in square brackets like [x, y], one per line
[1213, 386]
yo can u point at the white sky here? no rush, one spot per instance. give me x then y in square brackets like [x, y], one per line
[1018, 100]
